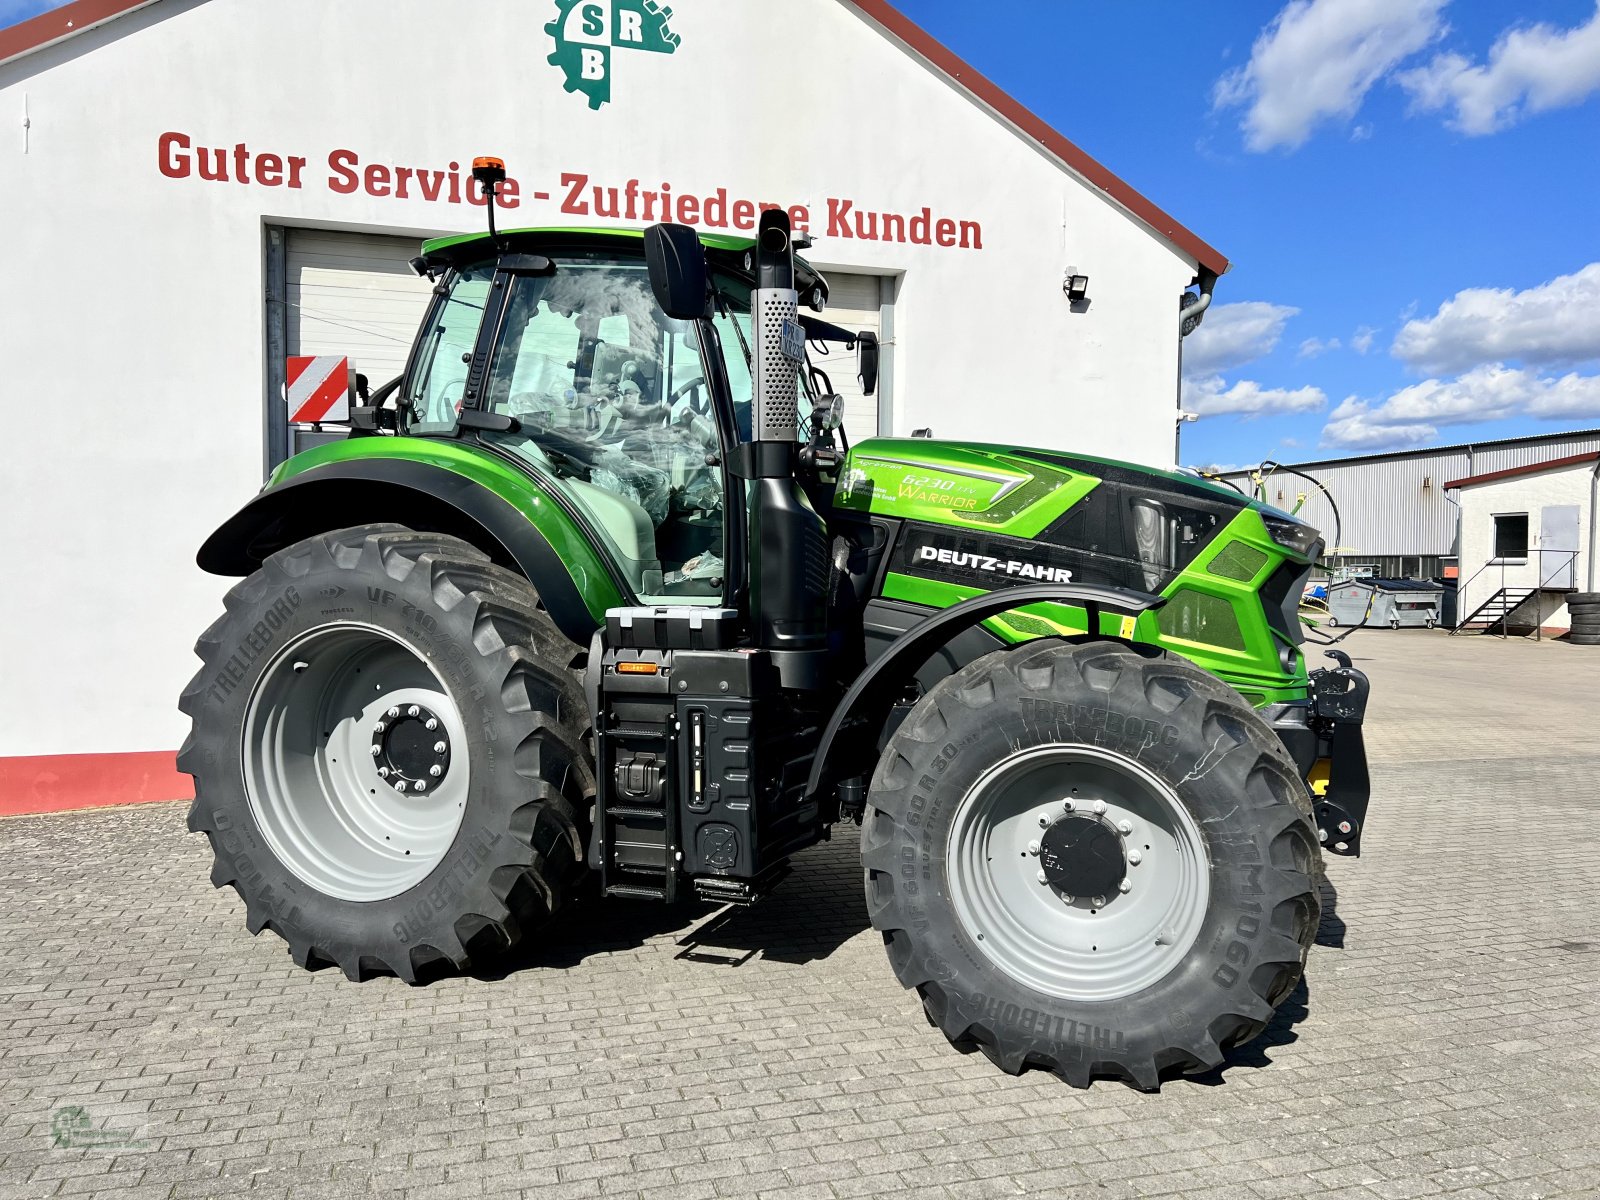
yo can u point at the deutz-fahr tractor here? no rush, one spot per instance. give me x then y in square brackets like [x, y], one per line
[595, 601]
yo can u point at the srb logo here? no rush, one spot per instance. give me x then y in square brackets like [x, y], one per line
[587, 31]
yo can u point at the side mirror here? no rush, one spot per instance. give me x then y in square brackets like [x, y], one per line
[867, 361]
[678, 273]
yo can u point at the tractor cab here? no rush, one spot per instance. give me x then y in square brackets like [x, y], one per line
[554, 349]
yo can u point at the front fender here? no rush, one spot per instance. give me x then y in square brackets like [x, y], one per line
[850, 739]
[445, 489]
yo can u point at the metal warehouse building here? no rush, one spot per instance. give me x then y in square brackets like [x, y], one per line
[203, 188]
[1396, 512]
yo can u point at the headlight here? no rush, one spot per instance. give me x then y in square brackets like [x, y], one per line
[1296, 536]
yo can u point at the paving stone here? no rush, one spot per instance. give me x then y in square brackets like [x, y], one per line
[1447, 1041]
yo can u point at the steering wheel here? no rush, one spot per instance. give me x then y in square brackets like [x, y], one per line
[700, 405]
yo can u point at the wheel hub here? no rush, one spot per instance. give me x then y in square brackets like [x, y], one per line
[1082, 856]
[411, 748]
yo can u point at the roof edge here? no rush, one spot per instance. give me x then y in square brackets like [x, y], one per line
[1549, 464]
[71, 19]
[58, 24]
[991, 95]
[1424, 451]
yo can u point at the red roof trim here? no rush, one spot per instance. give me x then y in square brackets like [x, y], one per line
[74, 18]
[1549, 464]
[38, 32]
[943, 59]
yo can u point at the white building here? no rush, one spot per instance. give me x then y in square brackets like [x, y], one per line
[1394, 512]
[1528, 536]
[196, 189]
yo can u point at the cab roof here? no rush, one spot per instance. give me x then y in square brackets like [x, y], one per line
[726, 250]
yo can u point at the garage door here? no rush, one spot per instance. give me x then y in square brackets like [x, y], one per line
[854, 302]
[354, 294]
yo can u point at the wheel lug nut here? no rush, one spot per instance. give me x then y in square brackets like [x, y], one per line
[377, 750]
[399, 785]
[1067, 804]
[1099, 901]
[1124, 887]
[394, 712]
[1135, 857]
[1033, 847]
[1344, 826]
[1322, 836]
[1099, 807]
[431, 724]
[383, 772]
[380, 727]
[420, 785]
[1124, 827]
[1069, 899]
[413, 711]
[440, 747]
[1042, 877]
[436, 770]
[1043, 821]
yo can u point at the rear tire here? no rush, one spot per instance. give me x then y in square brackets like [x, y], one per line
[299, 768]
[982, 924]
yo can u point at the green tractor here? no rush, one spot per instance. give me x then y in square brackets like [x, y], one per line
[594, 601]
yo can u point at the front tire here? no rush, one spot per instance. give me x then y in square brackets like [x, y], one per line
[1019, 799]
[389, 751]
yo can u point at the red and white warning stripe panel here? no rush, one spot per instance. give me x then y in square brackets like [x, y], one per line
[320, 388]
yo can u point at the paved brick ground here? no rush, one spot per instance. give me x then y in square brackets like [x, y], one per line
[1448, 1041]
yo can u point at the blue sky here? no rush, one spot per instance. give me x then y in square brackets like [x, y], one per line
[1409, 191]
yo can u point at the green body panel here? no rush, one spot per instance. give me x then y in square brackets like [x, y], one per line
[1001, 489]
[974, 487]
[567, 538]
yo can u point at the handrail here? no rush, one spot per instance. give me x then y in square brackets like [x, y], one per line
[1572, 560]
[1461, 588]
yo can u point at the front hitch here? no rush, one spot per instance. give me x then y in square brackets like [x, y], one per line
[1338, 706]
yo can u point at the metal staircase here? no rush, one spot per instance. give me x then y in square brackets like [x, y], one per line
[1494, 611]
[1494, 614]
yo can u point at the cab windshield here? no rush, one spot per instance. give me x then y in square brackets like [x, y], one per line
[612, 404]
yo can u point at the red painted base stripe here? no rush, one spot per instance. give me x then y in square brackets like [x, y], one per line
[61, 782]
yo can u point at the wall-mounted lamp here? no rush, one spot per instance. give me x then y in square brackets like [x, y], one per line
[1075, 286]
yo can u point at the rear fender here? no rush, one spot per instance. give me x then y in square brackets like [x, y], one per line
[849, 744]
[574, 582]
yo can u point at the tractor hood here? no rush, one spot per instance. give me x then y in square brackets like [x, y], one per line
[1013, 490]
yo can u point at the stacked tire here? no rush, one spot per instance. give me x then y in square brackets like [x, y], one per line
[1585, 610]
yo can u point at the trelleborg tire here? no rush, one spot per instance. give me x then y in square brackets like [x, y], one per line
[1001, 906]
[390, 753]
[1585, 639]
[1584, 599]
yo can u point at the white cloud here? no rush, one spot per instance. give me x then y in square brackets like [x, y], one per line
[1234, 334]
[1352, 427]
[1212, 396]
[1553, 324]
[1529, 70]
[1361, 339]
[1317, 60]
[1490, 392]
[1314, 347]
[1231, 336]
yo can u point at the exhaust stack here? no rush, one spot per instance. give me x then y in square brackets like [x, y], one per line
[779, 339]
[788, 541]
